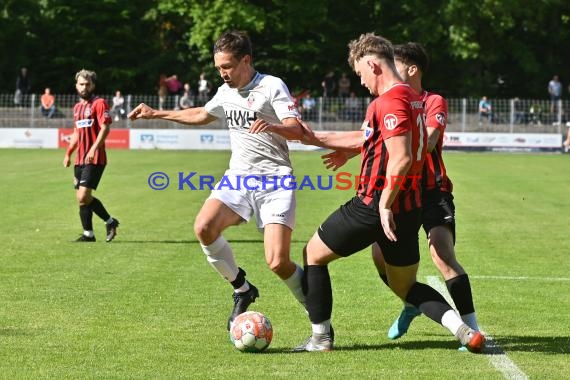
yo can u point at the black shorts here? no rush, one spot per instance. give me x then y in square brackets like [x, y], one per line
[438, 210]
[355, 226]
[88, 175]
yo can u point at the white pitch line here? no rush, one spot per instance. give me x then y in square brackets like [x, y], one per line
[524, 278]
[496, 355]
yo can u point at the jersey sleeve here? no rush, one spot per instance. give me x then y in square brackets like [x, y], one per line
[101, 112]
[436, 112]
[282, 101]
[214, 106]
[394, 117]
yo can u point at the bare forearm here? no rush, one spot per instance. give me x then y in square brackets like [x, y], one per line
[395, 174]
[345, 141]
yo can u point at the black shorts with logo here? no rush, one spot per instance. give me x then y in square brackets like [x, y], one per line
[355, 226]
[88, 175]
[438, 210]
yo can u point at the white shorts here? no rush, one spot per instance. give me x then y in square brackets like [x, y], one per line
[269, 204]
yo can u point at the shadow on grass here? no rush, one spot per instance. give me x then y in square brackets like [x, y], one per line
[500, 345]
[244, 241]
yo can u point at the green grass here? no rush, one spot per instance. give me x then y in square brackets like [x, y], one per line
[149, 306]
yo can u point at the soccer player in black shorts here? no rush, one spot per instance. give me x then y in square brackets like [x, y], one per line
[438, 213]
[91, 127]
[387, 206]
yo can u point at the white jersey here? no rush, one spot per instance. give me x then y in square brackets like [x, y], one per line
[265, 97]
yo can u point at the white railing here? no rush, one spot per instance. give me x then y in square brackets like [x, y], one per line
[508, 115]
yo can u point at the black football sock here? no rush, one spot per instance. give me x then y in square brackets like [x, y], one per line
[86, 215]
[240, 279]
[460, 290]
[99, 209]
[318, 292]
[428, 301]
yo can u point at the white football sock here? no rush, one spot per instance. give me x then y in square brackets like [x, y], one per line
[88, 233]
[451, 321]
[221, 258]
[322, 328]
[294, 284]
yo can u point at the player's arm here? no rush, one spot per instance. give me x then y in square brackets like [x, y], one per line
[433, 136]
[99, 141]
[290, 128]
[399, 149]
[189, 116]
[71, 147]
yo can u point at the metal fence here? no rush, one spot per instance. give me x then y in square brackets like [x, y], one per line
[508, 115]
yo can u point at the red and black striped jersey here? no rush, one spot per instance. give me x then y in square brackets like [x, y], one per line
[434, 174]
[88, 116]
[395, 112]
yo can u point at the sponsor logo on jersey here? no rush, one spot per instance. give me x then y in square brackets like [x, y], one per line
[417, 104]
[390, 121]
[239, 118]
[440, 117]
[84, 123]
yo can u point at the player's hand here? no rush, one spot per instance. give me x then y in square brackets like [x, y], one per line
[259, 126]
[142, 111]
[334, 160]
[388, 224]
[90, 156]
[66, 161]
[309, 137]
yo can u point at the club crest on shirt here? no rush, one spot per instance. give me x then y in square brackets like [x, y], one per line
[250, 100]
[440, 117]
[390, 121]
[87, 112]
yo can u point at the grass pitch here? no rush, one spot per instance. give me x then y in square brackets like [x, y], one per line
[148, 305]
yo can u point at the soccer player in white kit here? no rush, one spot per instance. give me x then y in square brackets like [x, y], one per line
[261, 115]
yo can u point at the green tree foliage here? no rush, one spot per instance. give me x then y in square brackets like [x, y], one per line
[492, 47]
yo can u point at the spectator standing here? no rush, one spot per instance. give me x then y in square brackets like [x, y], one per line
[47, 100]
[186, 100]
[308, 104]
[329, 85]
[203, 89]
[344, 86]
[162, 91]
[485, 110]
[174, 87]
[118, 108]
[555, 92]
[22, 86]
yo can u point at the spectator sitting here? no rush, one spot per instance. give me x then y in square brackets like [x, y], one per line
[47, 107]
[535, 112]
[352, 108]
[186, 100]
[307, 108]
[485, 110]
[118, 108]
[519, 111]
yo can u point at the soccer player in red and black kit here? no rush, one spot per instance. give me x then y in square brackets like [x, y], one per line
[438, 214]
[386, 209]
[91, 126]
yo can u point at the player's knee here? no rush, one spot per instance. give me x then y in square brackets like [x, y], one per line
[84, 198]
[204, 231]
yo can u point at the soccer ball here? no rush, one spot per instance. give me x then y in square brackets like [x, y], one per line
[251, 332]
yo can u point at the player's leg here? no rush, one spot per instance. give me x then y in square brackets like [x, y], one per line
[348, 230]
[275, 215]
[213, 218]
[84, 198]
[93, 175]
[277, 242]
[439, 224]
[456, 279]
[402, 260]
[401, 325]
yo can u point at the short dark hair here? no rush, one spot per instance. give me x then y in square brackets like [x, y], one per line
[412, 53]
[235, 42]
